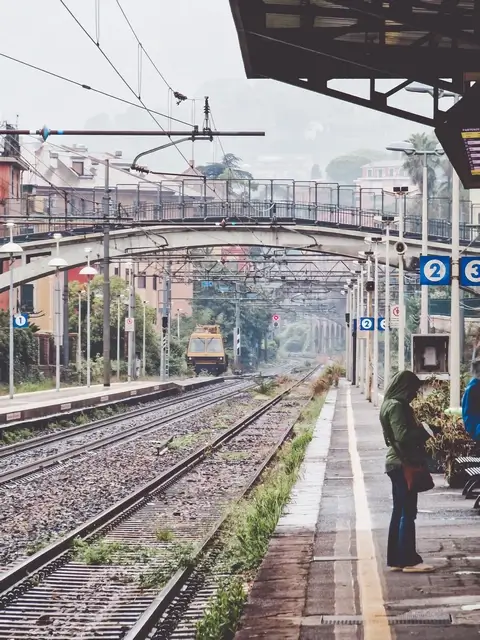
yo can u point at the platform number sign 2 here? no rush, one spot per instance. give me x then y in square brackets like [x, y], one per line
[470, 272]
[435, 270]
[366, 324]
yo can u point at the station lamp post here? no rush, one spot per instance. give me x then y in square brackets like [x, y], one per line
[369, 346]
[11, 248]
[408, 149]
[456, 330]
[360, 310]
[375, 241]
[348, 323]
[57, 262]
[90, 272]
[387, 220]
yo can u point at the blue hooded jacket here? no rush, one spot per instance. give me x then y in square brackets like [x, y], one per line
[471, 409]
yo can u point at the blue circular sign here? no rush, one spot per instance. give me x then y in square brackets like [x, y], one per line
[366, 324]
[435, 270]
[20, 321]
[470, 271]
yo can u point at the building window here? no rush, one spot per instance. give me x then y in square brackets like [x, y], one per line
[115, 271]
[392, 172]
[369, 173]
[155, 283]
[26, 298]
[142, 282]
[127, 275]
[77, 166]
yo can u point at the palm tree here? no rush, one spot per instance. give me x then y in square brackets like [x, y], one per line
[227, 169]
[414, 163]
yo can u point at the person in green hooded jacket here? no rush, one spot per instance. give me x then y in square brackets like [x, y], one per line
[405, 438]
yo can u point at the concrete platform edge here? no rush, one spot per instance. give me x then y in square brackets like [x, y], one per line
[71, 406]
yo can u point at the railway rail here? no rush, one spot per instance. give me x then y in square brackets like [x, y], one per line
[51, 595]
[57, 436]
[45, 463]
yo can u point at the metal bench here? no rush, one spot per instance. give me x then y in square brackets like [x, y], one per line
[468, 460]
[473, 481]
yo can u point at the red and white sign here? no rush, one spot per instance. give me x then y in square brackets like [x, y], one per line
[129, 324]
[394, 315]
[275, 317]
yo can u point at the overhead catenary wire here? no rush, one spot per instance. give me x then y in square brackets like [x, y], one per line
[83, 85]
[119, 74]
[78, 22]
[140, 44]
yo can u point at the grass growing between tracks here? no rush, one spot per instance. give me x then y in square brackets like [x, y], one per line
[105, 552]
[251, 526]
[13, 435]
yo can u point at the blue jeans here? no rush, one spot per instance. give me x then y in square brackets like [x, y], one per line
[401, 551]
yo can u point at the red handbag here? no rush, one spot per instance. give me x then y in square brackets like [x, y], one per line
[418, 478]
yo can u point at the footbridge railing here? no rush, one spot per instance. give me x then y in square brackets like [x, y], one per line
[365, 221]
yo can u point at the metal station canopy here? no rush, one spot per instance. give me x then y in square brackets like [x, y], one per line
[307, 43]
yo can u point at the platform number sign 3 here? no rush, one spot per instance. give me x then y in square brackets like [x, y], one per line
[435, 270]
[470, 271]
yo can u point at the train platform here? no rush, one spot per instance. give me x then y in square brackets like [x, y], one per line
[29, 406]
[325, 576]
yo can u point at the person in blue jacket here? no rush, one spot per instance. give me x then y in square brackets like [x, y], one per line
[471, 403]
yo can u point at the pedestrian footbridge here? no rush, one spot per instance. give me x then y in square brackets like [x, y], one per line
[322, 229]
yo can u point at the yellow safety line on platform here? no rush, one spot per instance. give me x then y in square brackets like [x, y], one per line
[375, 623]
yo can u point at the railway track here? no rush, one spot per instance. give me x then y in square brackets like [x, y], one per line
[45, 464]
[57, 436]
[54, 595]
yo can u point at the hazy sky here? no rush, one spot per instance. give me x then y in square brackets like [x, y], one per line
[189, 40]
[194, 44]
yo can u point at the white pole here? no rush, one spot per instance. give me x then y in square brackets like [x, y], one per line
[360, 368]
[131, 343]
[58, 302]
[455, 346]
[375, 330]
[347, 340]
[386, 342]
[368, 354]
[118, 337]
[11, 352]
[362, 341]
[354, 317]
[424, 288]
[79, 337]
[401, 294]
[88, 327]
[144, 350]
[178, 325]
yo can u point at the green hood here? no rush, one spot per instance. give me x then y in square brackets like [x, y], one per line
[403, 387]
